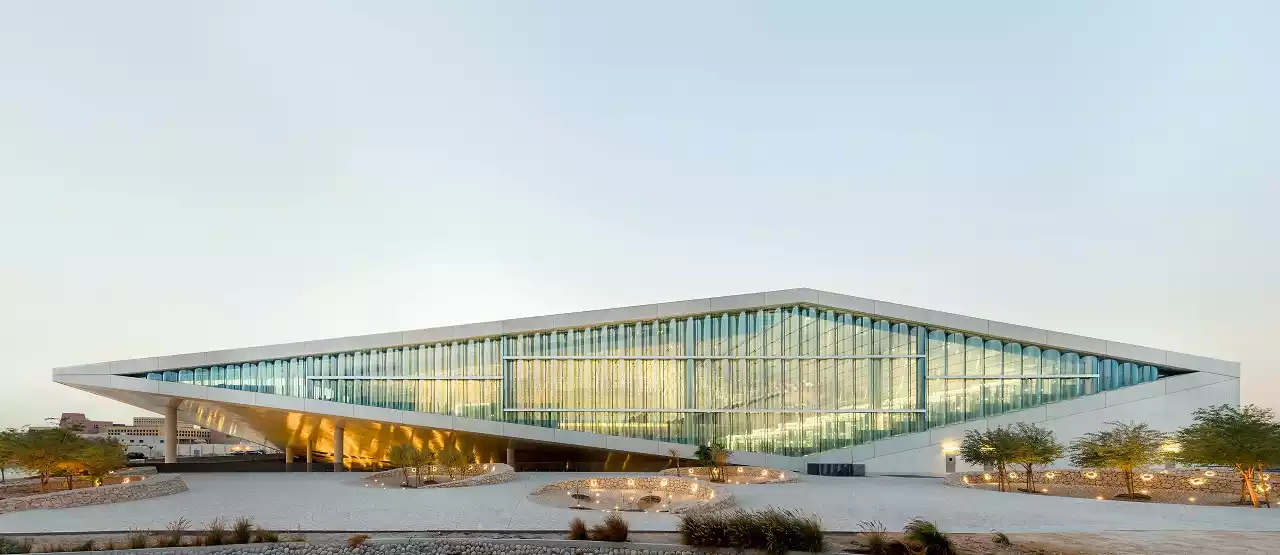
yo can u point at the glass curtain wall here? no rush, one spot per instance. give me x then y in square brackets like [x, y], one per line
[461, 378]
[791, 381]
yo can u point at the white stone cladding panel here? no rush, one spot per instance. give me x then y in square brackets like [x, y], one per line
[1164, 411]
[1134, 393]
[745, 302]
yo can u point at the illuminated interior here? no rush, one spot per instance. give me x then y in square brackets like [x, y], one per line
[790, 380]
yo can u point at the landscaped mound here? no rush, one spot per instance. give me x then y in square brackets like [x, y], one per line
[127, 485]
[1184, 486]
[734, 474]
[649, 494]
[435, 476]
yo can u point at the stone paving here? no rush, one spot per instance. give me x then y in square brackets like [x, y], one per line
[326, 501]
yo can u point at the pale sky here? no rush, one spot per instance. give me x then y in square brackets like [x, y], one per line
[183, 176]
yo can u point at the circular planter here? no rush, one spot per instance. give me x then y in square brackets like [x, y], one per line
[652, 494]
[473, 475]
[1188, 486]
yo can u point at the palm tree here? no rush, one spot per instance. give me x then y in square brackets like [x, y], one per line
[714, 457]
[703, 456]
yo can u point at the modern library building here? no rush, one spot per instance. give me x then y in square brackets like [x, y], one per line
[782, 378]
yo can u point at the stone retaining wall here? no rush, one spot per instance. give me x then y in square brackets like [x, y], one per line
[141, 488]
[473, 475]
[760, 474]
[1182, 479]
[1203, 486]
[711, 498]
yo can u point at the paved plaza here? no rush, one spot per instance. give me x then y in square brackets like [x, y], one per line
[326, 501]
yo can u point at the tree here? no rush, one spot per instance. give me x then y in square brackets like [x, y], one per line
[1033, 445]
[428, 458]
[46, 452]
[69, 469]
[406, 456]
[452, 460]
[1124, 447]
[8, 440]
[1247, 438]
[99, 457]
[675, 457]
[720, 459]
[995, 447]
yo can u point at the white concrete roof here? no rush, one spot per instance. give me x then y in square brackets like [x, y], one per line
[986, 328]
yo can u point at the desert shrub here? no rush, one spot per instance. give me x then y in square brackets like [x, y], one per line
[356, 540]
[786, 530]
[577, 529]
[137, 540]
[743, 529]
[242, 530]
[296, 539]
[10, 545]
[705, 530]
[773, 530]
[216, 533]
[927, 534]
[1001, 540]
[265, 536]
[88, 545]
[873, 538]
[613, 529]
[174, 531]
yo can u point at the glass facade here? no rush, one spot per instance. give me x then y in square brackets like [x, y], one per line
[790, 381]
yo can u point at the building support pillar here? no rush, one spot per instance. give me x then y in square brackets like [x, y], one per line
[338, 431]
[511, 457]
[288, 457]
[310, 447]
[171, 432]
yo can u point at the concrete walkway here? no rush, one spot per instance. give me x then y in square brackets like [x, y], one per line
[302, 501]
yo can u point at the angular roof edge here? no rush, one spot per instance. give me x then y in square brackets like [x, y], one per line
[803, 296]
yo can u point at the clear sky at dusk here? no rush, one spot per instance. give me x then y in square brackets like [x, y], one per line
[181, 176]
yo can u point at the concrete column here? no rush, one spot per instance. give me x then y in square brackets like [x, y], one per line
[288, 457]
[511, 457]
[310, 447]
[337, 448]
[171, 433]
